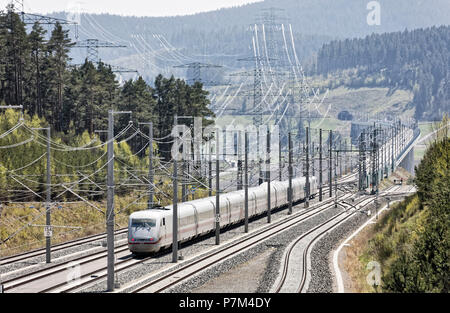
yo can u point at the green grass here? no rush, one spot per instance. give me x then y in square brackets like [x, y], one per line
[362, 100]
[370, 100]
[396, 230]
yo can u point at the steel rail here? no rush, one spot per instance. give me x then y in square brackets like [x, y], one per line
[287, 258]
[57, 247]
[88, 258]
[242, 244]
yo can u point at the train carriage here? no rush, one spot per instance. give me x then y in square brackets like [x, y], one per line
[151, 230]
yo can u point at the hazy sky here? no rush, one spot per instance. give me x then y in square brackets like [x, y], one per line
[130, 7]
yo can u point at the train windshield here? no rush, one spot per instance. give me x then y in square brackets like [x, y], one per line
[143, 223]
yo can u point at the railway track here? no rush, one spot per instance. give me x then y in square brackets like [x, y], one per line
[185, 271]
[58, 273]
[316, 233]
[33, 280]
[55, 248]
[87, 279]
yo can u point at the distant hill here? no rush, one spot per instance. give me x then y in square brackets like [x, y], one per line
[222, 36]
[417, 60]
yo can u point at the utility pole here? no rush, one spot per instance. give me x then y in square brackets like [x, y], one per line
[260, 179]
[217, 190]
[110, 201]
[150, 167]
[392, 148]
[360, 163]
[364, 165]
[330, 165]
[335, 178]
[48, 230]
[209, 170]
[395, 141]
[239, 162]
[351, 157]
[268, 177]
[280, 167]
[345, 156]
[340, 158]
[313, 153]
[290, 174]
[183, 176]
[246, 182]
[48, 239]
[384, 153]
[320, 165]
[374, 156]
[175, 201]
[378, 153]
[307, 169]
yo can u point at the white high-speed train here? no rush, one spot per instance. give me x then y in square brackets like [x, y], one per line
[151, 230]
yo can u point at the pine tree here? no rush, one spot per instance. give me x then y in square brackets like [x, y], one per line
[37, 53]
[58, 47]
[13, 36]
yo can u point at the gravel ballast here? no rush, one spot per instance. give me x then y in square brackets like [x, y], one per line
[162, 261]
[322, 278]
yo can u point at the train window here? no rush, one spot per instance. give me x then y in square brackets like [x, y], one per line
[143, 222]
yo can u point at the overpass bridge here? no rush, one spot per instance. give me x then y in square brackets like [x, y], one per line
[388, 148]
[406, 156]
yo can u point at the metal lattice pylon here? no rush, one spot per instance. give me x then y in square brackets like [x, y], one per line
[92, 46]
[196, 67]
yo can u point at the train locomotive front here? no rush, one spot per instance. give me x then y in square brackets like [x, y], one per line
[144, 232]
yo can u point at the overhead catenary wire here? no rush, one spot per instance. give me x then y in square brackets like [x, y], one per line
[62, 147]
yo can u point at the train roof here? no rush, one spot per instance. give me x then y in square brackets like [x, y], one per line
[147, 213]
